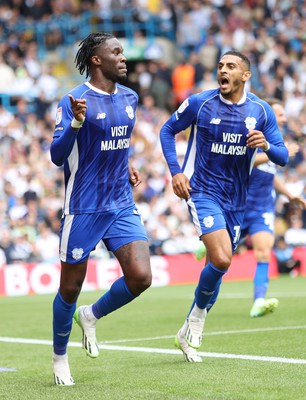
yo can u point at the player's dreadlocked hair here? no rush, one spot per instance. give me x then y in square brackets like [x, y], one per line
[87, 47]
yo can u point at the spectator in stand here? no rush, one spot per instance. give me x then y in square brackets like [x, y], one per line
[3, 260]
[47, 84]
[183, 81]
[296, 233]
[160, 87]
[8, 76]
[46, 244]
[286, 262]
[199, 69]
[20, 250]
[188, 35]
[7, 245]
[208, 53]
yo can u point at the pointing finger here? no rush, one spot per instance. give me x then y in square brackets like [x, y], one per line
[71, 98]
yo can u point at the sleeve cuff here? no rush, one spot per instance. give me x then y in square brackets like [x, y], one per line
[77, 124]
[268, 147]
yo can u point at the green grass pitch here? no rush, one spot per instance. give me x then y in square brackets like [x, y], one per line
[244, 358]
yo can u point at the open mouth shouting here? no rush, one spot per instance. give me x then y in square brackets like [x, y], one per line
[224, 83]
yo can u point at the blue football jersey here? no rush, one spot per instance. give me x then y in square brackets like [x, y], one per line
[218, 162]
[95, 158]
[261, 193]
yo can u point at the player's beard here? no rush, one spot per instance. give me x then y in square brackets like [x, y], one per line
[231, 89]
[122, 78]
[116, 76]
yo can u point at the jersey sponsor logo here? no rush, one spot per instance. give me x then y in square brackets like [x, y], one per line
[119, 130]
[77, 253]
[101, 115]
[215, 121]
[130, 112]
[115, 144]
[231, 150]
[224, 148]
[250, 123]
[59, 115]
[208, 221]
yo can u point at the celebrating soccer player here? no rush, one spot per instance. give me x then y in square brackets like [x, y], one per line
[91, 140]
[259, 217]
[228, 125]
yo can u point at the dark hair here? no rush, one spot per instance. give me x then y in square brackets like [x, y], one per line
[243, 57]
[87, 47]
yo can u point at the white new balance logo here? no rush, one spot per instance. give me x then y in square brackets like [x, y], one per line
[101, 115]
[215, 121]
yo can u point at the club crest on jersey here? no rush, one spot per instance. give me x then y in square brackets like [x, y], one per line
[208, 221]
[59, 114]
[130, 112]
[250, 123]
[77, 253]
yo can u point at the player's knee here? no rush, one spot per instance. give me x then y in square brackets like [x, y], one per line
[221, 261]
[263, 255]
[144, 282]
[140, 283]
[70, 293]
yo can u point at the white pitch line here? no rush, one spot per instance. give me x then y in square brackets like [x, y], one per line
[279, 328]
[233, 296]
[162, 351]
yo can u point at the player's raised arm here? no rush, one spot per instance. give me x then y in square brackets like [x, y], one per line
[70, 118]
[78, 107]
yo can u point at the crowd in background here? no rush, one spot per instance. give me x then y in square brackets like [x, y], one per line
[271, 33]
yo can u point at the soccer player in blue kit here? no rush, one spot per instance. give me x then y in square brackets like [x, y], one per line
[228, 125]
[259, 217]
[94, 123]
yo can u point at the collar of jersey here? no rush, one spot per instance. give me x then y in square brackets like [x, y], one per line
[241, 101]
[99, 90]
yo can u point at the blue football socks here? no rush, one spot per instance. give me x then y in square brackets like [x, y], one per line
[261, 280]
[62, 323]
[209, 285]
[214, 297]
[117, 296]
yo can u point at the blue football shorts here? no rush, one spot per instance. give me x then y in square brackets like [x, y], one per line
[80, 233]
[258, 221]
[208, 216]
